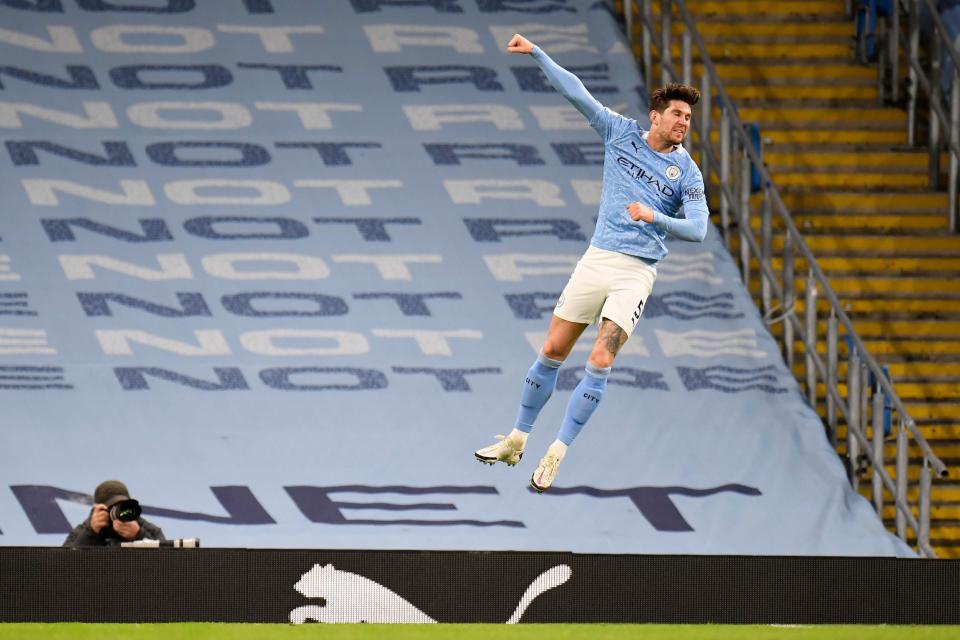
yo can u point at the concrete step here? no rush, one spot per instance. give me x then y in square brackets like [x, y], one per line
[934, 432]
[946, 391]
[919, 328]
[944, 449]
[891, 305]
[879, 285]
[908, 370]
[839, 135]
[944, 548]
[913, 473]
[764, 27]
[781, 158]
[936, 410]
[938, 364]
[826, 222]
[878, 245]
[877, 178]
[770, 9]
[922, 368]
[822, 223]
[914, 349]
[945, 491]
[799, 91]
[930, 307]
[884, 350]
[726, 52]
[787, 115]
[914, 467]
[890, 265]
[904, 223]
[823, 71]
[926, 307]
[939, 510]
[873, 178]
[862, 201]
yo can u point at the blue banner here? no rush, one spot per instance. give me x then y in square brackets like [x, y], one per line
[281, 266]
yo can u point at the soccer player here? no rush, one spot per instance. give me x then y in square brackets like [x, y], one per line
[648, 177]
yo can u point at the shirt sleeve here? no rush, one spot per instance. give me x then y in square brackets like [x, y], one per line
[150, 531]
[693, 225]
[82, 536]
[571, 88]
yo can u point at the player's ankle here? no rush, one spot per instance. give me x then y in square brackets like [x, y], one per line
[557, 449]
[518, 438]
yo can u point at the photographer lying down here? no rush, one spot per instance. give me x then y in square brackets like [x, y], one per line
[114, 519]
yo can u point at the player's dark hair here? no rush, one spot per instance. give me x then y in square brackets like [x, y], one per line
[660, 99]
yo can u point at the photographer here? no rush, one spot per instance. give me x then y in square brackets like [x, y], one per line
[115, 518]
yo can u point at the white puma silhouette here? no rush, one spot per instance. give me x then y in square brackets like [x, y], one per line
[353, 598]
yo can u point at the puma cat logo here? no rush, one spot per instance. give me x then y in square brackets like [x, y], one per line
[353, 598]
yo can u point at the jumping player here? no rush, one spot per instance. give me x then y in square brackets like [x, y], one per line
[648, 177]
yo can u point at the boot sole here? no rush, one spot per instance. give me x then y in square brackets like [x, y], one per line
[493, 461]
[537, 488]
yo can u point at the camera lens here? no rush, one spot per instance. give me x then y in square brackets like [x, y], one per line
[125, 511]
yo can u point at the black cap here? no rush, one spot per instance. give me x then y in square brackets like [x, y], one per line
[110, 492]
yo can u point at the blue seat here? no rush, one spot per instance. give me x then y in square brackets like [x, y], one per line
[866, 14]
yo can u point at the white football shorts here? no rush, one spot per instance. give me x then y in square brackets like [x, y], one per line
[607, 284]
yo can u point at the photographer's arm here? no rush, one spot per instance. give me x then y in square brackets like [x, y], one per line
[82, 536]
[150, 531]
[87, 533]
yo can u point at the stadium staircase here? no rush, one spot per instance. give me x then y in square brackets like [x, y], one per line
[862, 197]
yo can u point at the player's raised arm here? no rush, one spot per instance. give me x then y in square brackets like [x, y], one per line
[519, 44]
[569, 85]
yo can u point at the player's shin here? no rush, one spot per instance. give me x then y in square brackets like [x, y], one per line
[583, 402]
[537, 388]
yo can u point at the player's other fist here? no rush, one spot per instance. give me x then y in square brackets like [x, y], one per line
[519, 44]
[640, 212]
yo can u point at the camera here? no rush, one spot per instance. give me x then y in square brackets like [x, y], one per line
[126, 510]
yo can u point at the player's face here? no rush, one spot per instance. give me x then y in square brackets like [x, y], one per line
[672, 125]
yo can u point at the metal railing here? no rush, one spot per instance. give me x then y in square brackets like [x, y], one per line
[924, 75]
[869, 400]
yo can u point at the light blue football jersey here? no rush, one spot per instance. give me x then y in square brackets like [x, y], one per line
[669, 183]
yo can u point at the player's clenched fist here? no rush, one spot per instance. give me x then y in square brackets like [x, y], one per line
[519, 44]
[640, 212]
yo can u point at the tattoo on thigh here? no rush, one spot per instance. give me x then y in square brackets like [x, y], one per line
[613, 336]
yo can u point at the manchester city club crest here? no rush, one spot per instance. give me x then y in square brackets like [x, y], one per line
[673, 172]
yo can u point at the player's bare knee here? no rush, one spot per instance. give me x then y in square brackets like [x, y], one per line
[601, 358]
[555, 351]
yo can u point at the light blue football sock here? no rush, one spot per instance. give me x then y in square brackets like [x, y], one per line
[584, 400]
[537, 389]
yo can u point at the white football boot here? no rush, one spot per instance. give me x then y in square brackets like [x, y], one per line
[506, 449]
[546, 472]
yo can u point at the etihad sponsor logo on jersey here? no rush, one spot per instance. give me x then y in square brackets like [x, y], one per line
[641, 175]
